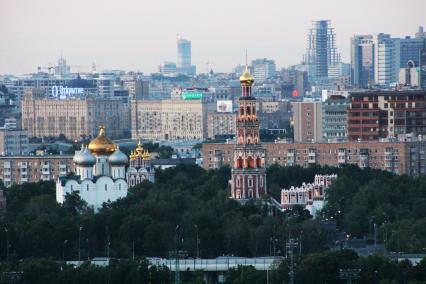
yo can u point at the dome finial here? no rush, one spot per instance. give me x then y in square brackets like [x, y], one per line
[101, 130]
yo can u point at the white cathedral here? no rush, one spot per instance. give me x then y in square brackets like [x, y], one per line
[101, 174]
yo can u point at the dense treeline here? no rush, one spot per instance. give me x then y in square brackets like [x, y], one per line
[187, 201]
[144, 223]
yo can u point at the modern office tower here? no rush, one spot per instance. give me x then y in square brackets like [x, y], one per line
[184, 57]
[420, 33]
[386, 114]
[362, 61]
[167, 68]
[386, 59]
[248, 173]
[410, 50]
[422, 69]
[334, 119]
[321, 51]
[263, 69]
[76, 118]
[307, 121]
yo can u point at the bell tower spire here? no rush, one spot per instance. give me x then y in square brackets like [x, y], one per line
[248, 174]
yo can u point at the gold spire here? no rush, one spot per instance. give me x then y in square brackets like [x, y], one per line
[246, 77]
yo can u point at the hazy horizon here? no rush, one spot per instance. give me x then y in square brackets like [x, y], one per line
[138, 35]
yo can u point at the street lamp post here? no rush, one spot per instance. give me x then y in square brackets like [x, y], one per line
[88, 249]
[79, 244]
[7, 243]
[63, 250]
[198, 242]
[133, 249]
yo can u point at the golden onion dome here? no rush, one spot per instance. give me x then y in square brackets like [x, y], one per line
[101, 145]
[246, 77]
[140, 152]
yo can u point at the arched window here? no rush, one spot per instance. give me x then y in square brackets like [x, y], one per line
[250, 163]
[239, 163]
[258, 162]
[248, 111]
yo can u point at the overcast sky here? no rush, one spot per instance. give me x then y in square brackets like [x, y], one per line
[139, 34]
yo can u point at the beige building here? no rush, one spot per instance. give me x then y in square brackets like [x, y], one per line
[307, 121]
[21, 169]
[169, 119]
[398, 157]
[75, 118]
[221, 124]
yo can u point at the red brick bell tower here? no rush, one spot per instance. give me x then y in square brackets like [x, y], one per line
[248, 172]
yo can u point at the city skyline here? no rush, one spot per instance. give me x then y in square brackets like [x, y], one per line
[276, 31]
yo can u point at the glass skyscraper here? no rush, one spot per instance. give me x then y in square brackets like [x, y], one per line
[321, 51]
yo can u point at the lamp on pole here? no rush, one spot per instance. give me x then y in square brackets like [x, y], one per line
[63, 250]
[198, 242]
[7, 243]
[79, 244]
[88, 249]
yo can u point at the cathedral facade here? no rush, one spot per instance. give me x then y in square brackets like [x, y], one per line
[101, 174]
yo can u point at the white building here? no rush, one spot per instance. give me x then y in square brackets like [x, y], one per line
[263, 69]
[386, 59]
[310, 196]
[100, 173]
[167, 68]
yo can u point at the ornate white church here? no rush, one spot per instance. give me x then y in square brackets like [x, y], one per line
[101, 174]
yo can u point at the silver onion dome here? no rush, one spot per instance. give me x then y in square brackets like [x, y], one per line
[84, 158]
[118, 158]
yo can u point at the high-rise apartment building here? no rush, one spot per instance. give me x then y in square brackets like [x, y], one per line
[362, 61]
[321, 51]
[21, 169]
[184, 57]
[263, 69]
[385, 114]
[334, 119]
[13, 141]
[307, 121]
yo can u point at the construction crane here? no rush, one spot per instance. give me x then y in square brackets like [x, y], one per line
[49, 67]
